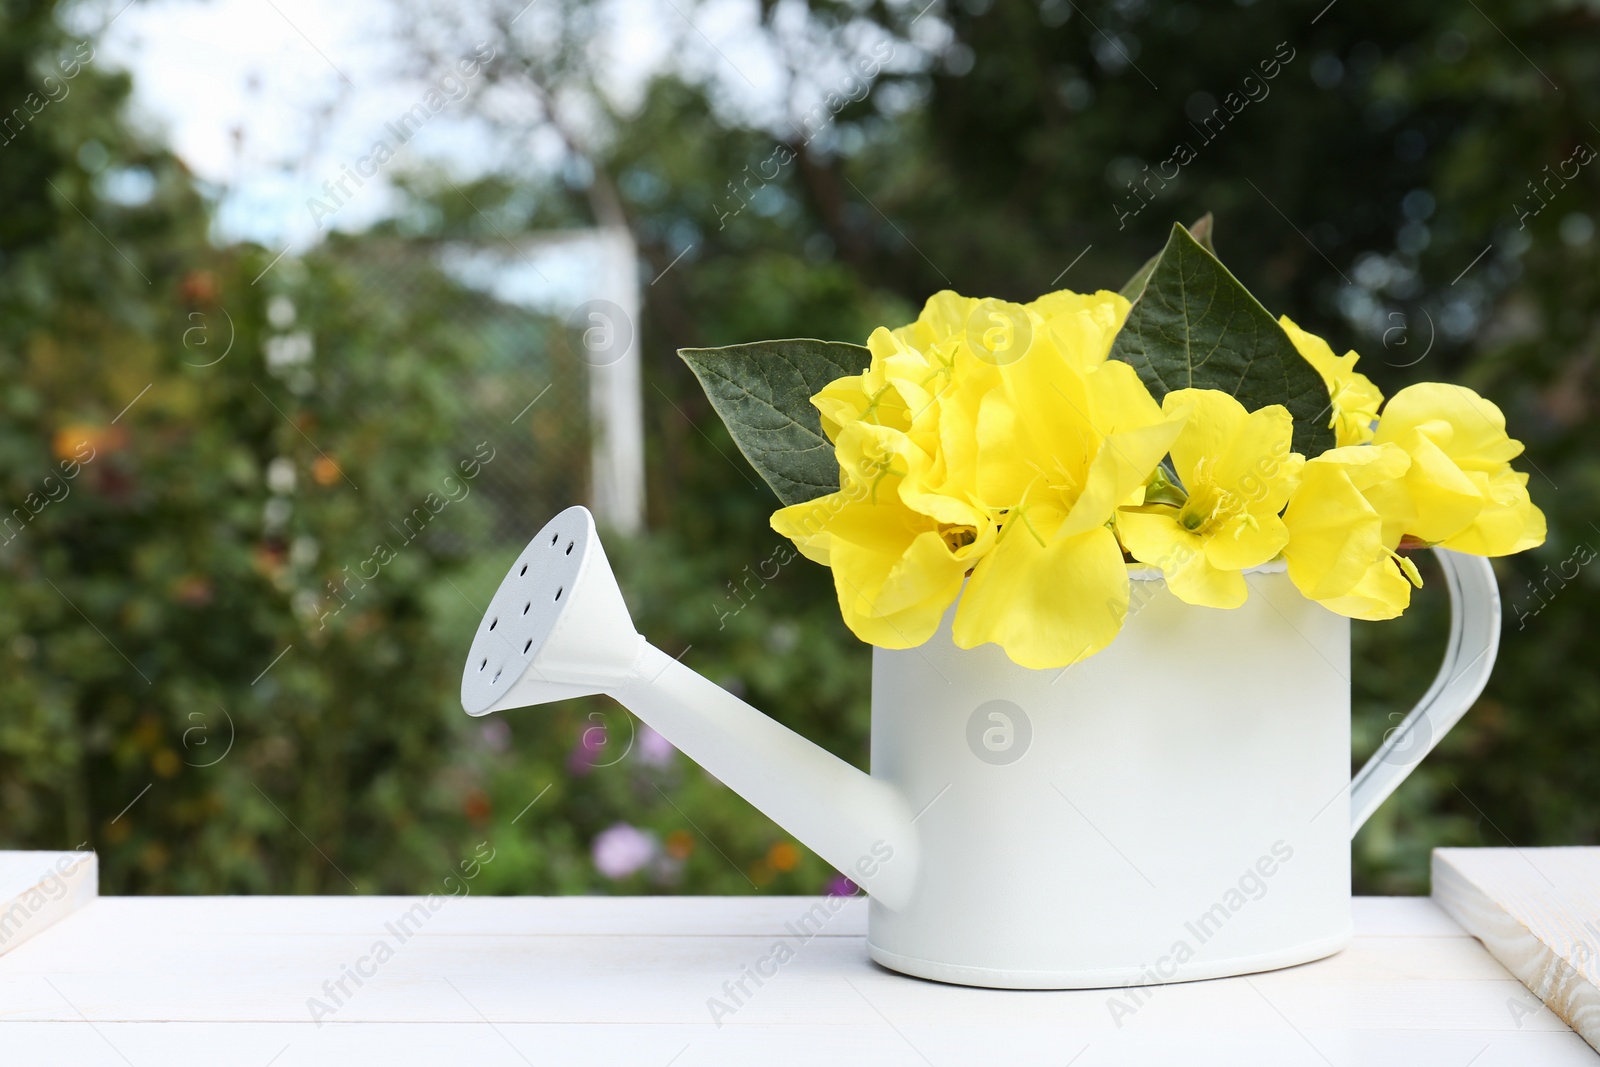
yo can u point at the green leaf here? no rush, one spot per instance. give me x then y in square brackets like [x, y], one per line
[1201, 230]
[763, 392]
[1196, 326]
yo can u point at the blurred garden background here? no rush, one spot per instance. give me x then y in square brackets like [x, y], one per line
[226, 379]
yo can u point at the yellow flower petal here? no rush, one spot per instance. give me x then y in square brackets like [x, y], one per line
[1461, 484]
[1511, 524]
[1000, 333]
[1048, 605]
[1446, 499]
[1353, 398]
[1477, 427]
[1258, 464]
[806, 524]
[944, 316]
[1081, 325]
[1151, 534]
[1195, 580]
[1247, 541]
[1119, 400]
[1214, 420]
[1238, 471]
[1382, 593]
[1001, 481]
[921, 577]
[894, 573]
[1154, 536]
[1119, 467]
[840, 403]
[1341, 546]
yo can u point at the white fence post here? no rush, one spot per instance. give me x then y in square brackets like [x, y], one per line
[615, 404]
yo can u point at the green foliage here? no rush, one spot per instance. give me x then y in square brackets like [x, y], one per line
[199, 456]
[1195, 326]
[763, 392]
[201, 615]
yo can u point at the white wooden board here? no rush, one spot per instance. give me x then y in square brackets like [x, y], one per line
[41, 888]
[619, 981]
[1538, 912]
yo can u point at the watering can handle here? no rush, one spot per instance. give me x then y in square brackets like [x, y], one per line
[1468, 659]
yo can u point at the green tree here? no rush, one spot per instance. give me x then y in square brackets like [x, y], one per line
[209, 660]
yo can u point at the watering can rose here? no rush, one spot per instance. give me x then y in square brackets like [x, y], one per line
[993, 456]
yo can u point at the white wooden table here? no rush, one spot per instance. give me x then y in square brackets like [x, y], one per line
[164, 982]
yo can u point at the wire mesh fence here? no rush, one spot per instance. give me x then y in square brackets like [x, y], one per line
[522, 393]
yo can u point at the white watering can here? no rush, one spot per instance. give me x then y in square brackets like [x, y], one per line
[1178, 806]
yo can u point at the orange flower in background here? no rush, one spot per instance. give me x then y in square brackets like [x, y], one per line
[325, 471]
[84, 441]
[476, 806]
[193, 590]
[199, 287]
[269, 559]
[783, 856]
[165, 763]
[680, 843]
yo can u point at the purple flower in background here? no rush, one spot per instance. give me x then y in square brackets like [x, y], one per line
[586, 753]
[497, 734]
[840, 886]
[654, 750]
[622, 849]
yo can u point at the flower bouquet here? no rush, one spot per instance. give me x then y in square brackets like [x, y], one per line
[1027, 462]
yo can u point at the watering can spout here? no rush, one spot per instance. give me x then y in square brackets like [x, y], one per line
[856, 822]
[558, 628]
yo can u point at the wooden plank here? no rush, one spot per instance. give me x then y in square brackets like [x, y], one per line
[752, 916]
[877, 1043]
[617, 980]
[483, 915]
[1537, 911]
[97, 948]
[789, 1001]
[189, 971]
[39, 889]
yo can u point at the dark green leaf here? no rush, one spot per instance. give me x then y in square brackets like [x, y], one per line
[1201, 230]
[1196, 326]
[763, 392]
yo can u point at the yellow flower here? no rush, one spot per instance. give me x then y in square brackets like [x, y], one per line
[991, 455]
[1058, 451]
[1082, 324]
[993, 439]
[1465, 494]
[1352, 396]
[1345, 521]
[943, 321]
[895, 570]
[1237, 471]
